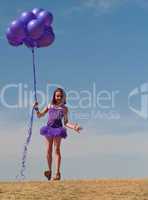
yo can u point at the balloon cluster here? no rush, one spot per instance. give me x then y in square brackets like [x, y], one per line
[33, 28]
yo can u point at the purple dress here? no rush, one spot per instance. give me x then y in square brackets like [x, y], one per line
[54, 125]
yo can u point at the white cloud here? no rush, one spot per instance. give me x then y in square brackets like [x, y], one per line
[108, 5]
[98, 5]
[103, 5]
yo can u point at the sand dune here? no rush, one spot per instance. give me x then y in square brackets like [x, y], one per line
[75, 190]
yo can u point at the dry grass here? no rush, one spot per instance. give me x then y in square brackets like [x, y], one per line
[76, 190]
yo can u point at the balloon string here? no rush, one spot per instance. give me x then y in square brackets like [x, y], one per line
[34, 75]
[21, 175]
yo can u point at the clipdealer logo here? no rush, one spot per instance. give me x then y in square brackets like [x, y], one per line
[91, 103]
[138, 101]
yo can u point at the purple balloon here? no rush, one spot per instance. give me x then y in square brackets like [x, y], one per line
[12, 37]
[30, 43]
[26, 17]
[15, 43]
[47, 38]
[35, 29]
[9, 34]
[17, 29]
[45, 17]
[36, 11]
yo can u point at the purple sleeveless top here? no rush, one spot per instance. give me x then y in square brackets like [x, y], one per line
[55, 115]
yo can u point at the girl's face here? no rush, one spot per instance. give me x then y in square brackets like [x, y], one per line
[58, 97]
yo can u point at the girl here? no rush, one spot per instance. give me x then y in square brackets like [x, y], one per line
[54, 130]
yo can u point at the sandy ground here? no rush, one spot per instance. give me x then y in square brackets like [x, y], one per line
[75, 190]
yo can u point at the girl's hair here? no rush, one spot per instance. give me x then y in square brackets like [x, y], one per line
[63, 96]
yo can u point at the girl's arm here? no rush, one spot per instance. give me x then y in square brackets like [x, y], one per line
[67, 124]
[42, 113]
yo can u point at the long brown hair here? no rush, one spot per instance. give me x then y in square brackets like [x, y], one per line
[63, 95]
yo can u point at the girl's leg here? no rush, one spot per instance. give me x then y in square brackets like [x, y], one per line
[57, 144]
[49, 144]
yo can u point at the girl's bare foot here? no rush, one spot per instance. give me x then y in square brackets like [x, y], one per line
[47, 174]
[57, 177]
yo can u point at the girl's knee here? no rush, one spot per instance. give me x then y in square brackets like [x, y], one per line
[57, 151]
[49, 151]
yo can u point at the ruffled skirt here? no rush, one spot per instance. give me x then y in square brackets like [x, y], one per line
[49, 131]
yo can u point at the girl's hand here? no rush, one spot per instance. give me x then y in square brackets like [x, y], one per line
[77, 128]
[35, 104]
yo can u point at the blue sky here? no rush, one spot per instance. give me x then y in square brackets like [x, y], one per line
[101, 42]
